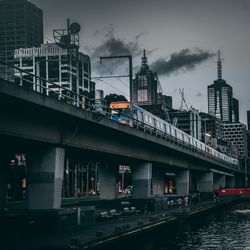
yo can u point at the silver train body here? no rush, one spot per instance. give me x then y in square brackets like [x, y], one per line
[153, 122]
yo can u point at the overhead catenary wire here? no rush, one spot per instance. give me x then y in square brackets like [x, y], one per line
[118, 78]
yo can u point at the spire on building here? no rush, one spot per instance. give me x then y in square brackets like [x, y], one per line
[144, 60]
[219, 68]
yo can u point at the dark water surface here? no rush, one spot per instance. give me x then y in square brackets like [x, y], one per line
[224, 229]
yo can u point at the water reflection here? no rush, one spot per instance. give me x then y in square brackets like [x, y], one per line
[224, 229]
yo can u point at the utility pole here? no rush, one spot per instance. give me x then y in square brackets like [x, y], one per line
[129, 57]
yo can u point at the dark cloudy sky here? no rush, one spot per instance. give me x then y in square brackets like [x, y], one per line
[181, 37]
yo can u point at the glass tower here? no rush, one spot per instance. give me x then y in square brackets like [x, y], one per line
[21, 26]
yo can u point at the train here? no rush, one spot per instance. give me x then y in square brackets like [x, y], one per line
[136, 116]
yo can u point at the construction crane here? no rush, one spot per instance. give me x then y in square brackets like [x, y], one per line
[163, 101]
[183, 101]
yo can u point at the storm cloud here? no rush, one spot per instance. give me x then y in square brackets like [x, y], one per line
[115, 46]
[184, 60]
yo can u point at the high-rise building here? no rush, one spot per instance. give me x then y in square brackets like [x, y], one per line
[168, 100]
[236, 133]
[21, 26]
[220, 98]
[211, 125]
[54, 64]
[248, 119]
[188, 121]
[235, 110]
[145, 85]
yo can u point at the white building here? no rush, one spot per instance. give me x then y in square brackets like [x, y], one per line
[58, 66]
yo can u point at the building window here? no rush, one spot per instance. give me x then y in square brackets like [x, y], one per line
[142, 95]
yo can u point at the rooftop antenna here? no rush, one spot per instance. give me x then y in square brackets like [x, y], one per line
[219, 67]
[144, 60]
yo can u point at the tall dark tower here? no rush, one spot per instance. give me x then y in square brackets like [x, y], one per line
[144, 85]
[219, 68]
[21, 26]
[220, 97]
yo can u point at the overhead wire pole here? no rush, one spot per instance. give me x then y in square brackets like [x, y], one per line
[129, 57]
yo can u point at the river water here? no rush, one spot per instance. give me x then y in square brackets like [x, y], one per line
[224, 229]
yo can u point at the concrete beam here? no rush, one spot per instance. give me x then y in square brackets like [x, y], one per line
[182, 182]
[45, 176]
[107, 181]
[142, 179]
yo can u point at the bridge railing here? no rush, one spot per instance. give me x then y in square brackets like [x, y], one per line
[28, 80]
[60, 91]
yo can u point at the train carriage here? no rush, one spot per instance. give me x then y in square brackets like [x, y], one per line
[152, 123]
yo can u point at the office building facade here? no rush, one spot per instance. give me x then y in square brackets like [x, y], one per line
[144, 85]
[236, 133]
[61, 70]
[188, 121]
[221, 103]
[21, 26]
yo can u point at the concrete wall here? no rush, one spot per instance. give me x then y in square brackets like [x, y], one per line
[205, 181]
[158, 180]
[219, 181]
[142, 178]
[45, 176]
[230, 181]
[107, 181]
[182, 182]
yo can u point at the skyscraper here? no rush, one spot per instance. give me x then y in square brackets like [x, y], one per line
[220, 97]
[21, 26]
[145, 85]
[235, 110]
[248, 119]
[236, 133]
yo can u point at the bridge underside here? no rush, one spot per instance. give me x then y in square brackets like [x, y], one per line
[52, 131]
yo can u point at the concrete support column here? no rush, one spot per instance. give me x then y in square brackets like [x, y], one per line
[205, 181]
[142, 178]
[45, 178]
[158, 184]
[230, 181]
[4, 164]
[182, 182]
[219, 181]
[107, 181]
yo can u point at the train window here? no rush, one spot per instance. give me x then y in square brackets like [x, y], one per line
[139, 116]
[146, 118]
[167, 128]
[157, 124]
[150, 119]
[153, 122]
